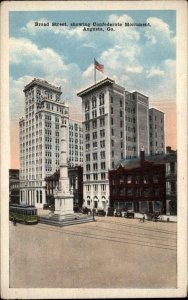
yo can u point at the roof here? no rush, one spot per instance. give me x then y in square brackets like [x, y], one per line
[155, 159]
[95, 86]
[43, 83]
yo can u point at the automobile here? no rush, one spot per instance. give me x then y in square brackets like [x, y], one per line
[52, 207]
[129, 214]
[76, 209]
[110, 211]
[46, 206]
[86, 210]
[101, 212]
[118, 212]
[155, 216]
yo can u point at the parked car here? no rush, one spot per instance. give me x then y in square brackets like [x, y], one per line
[129, 214]
[86, 210]
[118, 212]
[46, 206]
[101, 212]
[155, 216]
[52, 207]
[110, 211]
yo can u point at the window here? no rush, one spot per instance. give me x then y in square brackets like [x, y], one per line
[95, 176]
[145, 179]
[102, 133]
[86, 106]
[87, 167]
[155, 178]
[87, 126]
[137, 179]
[103, 176]
[112, 110]
[112, 121]
[129, 179]
[120, 102]
[95, 166]
[103, 166]
[122, 191]
[146, 191]
[112, 132]
[102, 154]
[95, 135]
[111, 99]
[94, 113]
[138, 192]
[94, 124]
[94, 102]
[129, 192]
[87, 157]
[102, 144]
[87, 137]
[102, 122]
[94, 144]
[121, 113]
[101, 99]
[87, 116]
[112, 143]
[95, 156]
[87, 176]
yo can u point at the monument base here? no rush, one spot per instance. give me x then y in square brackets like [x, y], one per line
[63, 206]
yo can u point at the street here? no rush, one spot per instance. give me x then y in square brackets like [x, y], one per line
[109, 253]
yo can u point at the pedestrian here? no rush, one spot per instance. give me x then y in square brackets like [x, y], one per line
[14, 221]
[143, 218]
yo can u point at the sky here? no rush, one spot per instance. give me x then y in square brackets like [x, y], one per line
[141, 58]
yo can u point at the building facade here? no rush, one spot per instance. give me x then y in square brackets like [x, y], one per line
[146, 184]
[115, 126]
[171, 181]
[138, 185]
[14, 186]
[40, 139]
[75, 143]
[75, 175]
[156, 129]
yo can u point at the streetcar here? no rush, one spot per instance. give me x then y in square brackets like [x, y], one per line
[23, 213]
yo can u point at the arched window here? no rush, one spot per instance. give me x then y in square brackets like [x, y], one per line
[94, 102]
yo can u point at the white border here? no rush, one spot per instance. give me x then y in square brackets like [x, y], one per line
[181, 10]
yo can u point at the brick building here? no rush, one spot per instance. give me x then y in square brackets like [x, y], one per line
[138, 185]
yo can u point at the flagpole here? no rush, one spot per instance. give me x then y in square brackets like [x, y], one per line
[94, 72]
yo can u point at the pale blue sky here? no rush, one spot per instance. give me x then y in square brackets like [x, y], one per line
[138, 58]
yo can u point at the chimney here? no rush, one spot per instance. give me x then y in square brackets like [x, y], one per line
[142, 155]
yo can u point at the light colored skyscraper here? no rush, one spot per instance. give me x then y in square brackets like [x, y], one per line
[115, 126]
[40, 139]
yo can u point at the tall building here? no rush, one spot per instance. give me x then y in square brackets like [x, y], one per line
[75, 143]
[115, 126]
[40, 139]
[157, 134]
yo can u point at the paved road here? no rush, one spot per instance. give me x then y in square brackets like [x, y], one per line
[109, 253]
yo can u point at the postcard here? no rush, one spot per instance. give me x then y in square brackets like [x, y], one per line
[93, 149]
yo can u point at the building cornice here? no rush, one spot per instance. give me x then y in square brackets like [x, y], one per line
[106, 81]
[42, 83]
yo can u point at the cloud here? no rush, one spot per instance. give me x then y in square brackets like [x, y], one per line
[154, 71]
[159, 32]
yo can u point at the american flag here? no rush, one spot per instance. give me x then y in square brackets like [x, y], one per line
[98, 66]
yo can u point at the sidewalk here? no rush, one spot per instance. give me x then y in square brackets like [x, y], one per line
[165, 218]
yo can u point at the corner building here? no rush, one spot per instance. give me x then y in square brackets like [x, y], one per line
[40, 139]
[115, 126]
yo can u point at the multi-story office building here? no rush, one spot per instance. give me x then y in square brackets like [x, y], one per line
[115, 126]
[40, 139]
[156, 129]
[75, 143]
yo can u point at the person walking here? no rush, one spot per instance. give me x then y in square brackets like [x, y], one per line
[143, 218]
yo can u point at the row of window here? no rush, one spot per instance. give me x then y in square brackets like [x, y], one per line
[137, 192]
[95, 166]
[137, 179]
[94, 102]
[95, 176]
